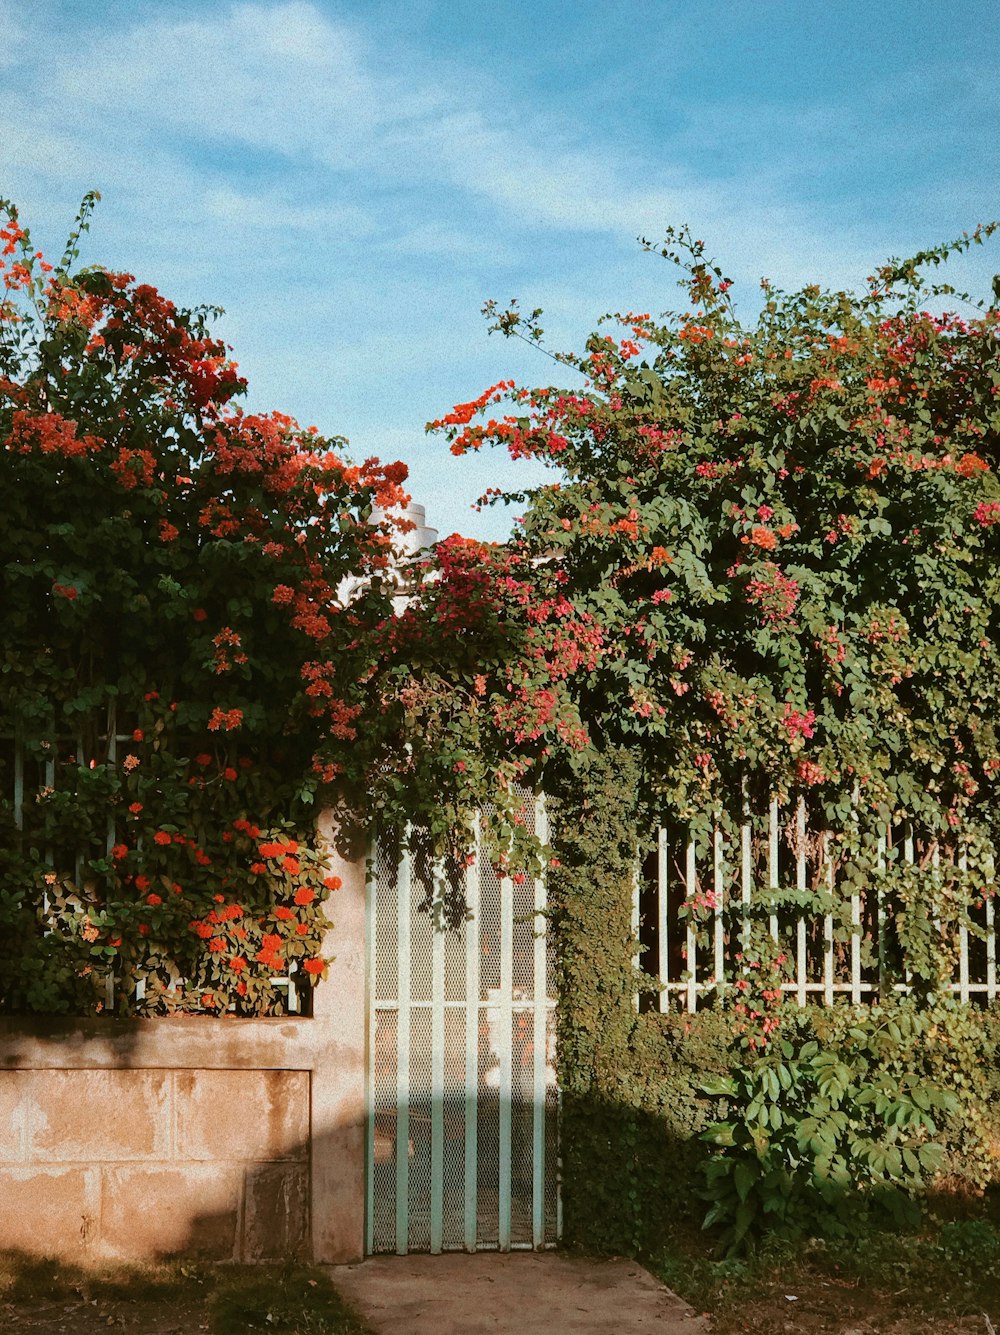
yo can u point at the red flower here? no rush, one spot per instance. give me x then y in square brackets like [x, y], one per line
[291, 865]
[237, 963]
[135, 808]
[304, 895]
[314, 966]
[332, 882]
[153, 899]
[225, 720]
[258, 868]
[229, 774]
[200, 614]
[203, 760]
[203, 929]
[217, 944]
[137, 735]
[119, 851]
[283, 913]
[161, 837]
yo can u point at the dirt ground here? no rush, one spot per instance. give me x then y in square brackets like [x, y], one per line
[78, 1316]
[827, 1308]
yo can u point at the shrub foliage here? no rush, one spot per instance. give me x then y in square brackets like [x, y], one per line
[180, 672]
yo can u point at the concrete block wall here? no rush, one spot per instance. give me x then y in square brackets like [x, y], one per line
[196, 1136]
[133, 1164]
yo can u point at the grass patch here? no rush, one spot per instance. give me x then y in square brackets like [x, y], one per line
[299, 1301]
[946, 1269]
[229, 1299]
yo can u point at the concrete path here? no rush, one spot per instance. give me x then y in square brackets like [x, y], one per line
[518, 1293]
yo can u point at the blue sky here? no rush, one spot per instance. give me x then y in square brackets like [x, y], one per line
[352, 181]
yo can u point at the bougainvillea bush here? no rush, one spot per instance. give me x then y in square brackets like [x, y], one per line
[766, 567]
[767, 561]
[183, 665]
[770, 548]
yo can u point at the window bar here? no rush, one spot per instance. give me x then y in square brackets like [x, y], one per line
[506, 1008]
[81, 759]
[50, 857]
[663, 916]
[800, 884]
[880, 913]
[963, 942]
[717, 886]
[772, 861]
[691, 943]
[991, 933]
[403, 909]
[18, 781]
[909, 855]
[437, 1063]
[855, 920]
[746, 875]
[371, 885]
[539, 1043]
[112, 741]
[827, 864]
[635, 928]
[473, 1016]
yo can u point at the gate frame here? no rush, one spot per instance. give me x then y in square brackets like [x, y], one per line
[540, 1005]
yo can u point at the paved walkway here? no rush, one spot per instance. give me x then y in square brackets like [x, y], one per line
[518, 1293]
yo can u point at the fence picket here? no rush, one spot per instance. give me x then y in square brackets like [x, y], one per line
[820, 970]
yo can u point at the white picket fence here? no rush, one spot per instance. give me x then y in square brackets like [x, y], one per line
[735, 870]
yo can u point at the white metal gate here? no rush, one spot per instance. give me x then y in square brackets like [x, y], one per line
[462, 1097]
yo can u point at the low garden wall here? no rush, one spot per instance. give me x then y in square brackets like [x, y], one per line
[234, 1139]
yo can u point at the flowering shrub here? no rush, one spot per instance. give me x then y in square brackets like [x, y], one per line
[769, 555]
[766, 563]
[179, 672]
[765, 567]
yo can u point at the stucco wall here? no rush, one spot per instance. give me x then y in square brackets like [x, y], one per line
[225, 1138]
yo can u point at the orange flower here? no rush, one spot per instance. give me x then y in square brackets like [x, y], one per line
[763, 538]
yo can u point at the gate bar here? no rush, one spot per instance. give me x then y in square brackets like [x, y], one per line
[437, 1062]
[473, 986]
[540, 1043]
[403, 906]
[506, 1018]
[371, 890]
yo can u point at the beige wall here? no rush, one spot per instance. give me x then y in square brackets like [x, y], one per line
[223, 1138]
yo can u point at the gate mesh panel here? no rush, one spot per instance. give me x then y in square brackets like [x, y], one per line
[419, 998]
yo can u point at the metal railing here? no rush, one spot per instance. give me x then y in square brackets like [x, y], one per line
[759, 871]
